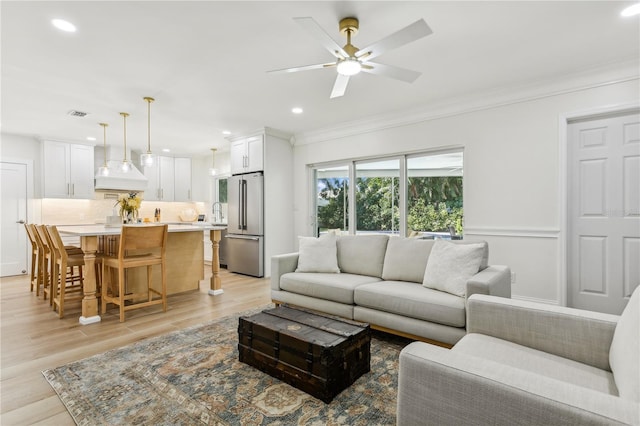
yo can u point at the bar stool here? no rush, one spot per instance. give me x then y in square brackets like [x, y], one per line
[152, 239]
[65, 288]
[46, 260]
[36, 272]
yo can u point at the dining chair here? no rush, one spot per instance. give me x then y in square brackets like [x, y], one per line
[139, 246]
[36, 272]
[64, 287]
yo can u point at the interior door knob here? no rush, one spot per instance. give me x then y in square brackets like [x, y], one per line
[20, 221]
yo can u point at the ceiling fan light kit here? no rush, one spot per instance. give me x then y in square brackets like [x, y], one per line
[350, 60]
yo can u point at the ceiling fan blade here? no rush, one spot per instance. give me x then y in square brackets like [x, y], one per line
[303, 68]
[339, 86]
[321, 35]
[404, 36]
[390, 71]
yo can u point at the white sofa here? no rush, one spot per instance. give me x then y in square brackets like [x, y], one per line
[526, 363]
[380, 282]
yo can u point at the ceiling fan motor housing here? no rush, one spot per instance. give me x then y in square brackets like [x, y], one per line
[349, 27]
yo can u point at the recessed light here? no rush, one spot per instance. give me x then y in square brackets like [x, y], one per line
[63, 25]
[296, 110]
[226, 132]
[166, 150]
[632, 10]
[91, 138]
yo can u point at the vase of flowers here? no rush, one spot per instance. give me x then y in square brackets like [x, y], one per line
[129, 205]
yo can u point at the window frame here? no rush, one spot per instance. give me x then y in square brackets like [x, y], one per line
[351, 164]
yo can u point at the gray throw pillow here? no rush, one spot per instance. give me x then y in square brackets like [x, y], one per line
[450, 266]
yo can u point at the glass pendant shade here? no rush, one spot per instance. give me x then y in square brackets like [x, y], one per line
[104, 169]
[212, 169]
[125, 167]
[148, 160]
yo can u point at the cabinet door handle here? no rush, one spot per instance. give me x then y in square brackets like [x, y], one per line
[162, 194]
[68, 189]
[73, 189]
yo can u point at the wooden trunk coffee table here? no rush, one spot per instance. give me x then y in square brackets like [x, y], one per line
[317, 353]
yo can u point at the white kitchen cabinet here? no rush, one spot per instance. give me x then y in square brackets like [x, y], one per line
[68, 170]
[247, 155]
[182, 179]
[169, 180]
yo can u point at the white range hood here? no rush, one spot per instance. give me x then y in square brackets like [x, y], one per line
[118, 180]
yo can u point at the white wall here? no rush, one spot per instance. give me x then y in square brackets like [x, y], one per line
[512, 174]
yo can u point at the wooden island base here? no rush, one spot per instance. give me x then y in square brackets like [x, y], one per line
[184, 267]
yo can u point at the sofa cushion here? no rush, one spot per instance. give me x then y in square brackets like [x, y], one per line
[624, 354]
[318, 254]
[412, 300]
[450, 266]
[362, 254]
[538, 362]
[327, 286]
[406, 259]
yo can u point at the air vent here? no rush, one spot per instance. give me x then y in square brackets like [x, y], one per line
[75, 113]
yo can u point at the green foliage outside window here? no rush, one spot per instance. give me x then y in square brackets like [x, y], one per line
[434, 203]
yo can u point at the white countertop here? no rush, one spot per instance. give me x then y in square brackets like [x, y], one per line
[88, 230]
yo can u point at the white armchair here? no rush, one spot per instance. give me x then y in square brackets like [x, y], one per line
[525, 363]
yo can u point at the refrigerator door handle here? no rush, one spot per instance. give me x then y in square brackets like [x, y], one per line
[240, 207]
[241, 237]
[244, 204]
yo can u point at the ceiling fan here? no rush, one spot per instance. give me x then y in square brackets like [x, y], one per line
[351, 60]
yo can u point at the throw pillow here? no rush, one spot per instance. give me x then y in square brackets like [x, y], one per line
[450, 266]
[318, 254]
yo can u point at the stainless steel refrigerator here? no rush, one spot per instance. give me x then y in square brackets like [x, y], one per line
[245, 224]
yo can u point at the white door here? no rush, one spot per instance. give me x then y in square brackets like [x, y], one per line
[13, 237]
[604, 212]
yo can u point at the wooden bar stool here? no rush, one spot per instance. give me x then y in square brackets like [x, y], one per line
[139, 246]
[36, 273]
[46, 260]
[64, 288]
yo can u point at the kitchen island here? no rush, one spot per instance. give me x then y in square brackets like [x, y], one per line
[184, 259]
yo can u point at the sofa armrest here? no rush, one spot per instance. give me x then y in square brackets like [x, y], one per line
[437, 386]
[580, 335]
[494, 280]
[280, 265]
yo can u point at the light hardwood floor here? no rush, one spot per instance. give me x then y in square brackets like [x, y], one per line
[33, 339]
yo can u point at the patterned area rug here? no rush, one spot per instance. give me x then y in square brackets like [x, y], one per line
[193, 376]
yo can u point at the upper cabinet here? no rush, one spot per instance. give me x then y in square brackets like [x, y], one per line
[182, 180]
[169, 180]
[68, 170]
[247, 155]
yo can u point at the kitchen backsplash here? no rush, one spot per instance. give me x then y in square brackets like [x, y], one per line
[81, 212]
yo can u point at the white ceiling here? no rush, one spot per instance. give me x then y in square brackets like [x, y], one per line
[205, 62]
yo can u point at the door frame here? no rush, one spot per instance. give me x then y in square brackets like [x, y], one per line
[563, 189]
[30, 207]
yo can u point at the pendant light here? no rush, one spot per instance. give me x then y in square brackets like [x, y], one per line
[212, 170]
[147, 160]
[125, 167]
[104, 169]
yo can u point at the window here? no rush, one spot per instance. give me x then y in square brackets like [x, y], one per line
[434, 195]
[378, 196]
[332, 202]
[408, 195]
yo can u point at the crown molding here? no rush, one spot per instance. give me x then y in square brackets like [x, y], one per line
[543, 88]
